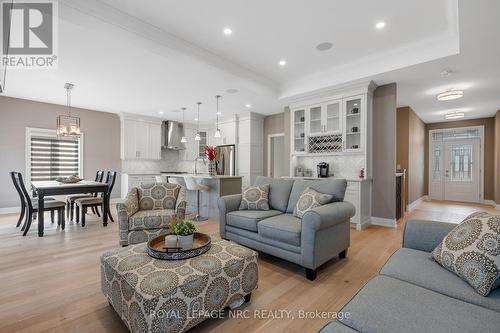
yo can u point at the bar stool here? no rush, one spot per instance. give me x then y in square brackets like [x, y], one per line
[192, 185]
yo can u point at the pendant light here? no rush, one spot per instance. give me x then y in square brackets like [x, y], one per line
[217, 130]
[183, 139]
[197, 137]
[67, 125]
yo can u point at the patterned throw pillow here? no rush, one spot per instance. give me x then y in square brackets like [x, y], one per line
[472, 251]
[158, 196]
[255, 198]
[310, 199]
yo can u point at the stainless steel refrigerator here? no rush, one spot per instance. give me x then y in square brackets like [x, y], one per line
[225, 160]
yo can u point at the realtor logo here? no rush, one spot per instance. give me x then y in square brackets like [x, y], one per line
[29, 34]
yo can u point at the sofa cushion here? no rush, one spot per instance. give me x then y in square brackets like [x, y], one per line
[335, 187]
[472, 251]
[310, 199]
[386, 304]
[151, 219]
[279, 191]
[284, 228]
[255, 198]
[158, 196]
[417, 267]
[247, 219]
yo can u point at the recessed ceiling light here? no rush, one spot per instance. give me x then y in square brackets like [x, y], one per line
[282, 62]
[232, 91]
[195, 119]
[448, 95]
[454, 115]
[160, 112]
[218, 113]
[325, 46]
[228, 31]
[248, 105]
[380, 25]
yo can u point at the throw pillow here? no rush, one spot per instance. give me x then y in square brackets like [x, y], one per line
[471, 250]
[158, 196]
[255, 198]
[310, 199]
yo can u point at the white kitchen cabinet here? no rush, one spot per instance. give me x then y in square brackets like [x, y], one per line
[140, 139]
[324, 118]
[298, 131]
[354, 123]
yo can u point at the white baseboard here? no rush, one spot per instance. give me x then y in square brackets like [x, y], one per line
[13, 210]
[383, 222]
[361, 225]
[412, 205]
[491, 203]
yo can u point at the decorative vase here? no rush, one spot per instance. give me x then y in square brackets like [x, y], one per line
[171, 241]
[211, 168]
[186, 242]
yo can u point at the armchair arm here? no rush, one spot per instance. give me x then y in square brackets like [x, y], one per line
[227, 204]
[126, 209]
[425, 235]
[181, 204]
[328, 215]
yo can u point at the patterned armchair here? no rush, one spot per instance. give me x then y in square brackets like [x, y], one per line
[147, 210]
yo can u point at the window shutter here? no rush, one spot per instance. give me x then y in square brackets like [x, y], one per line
[52, 158]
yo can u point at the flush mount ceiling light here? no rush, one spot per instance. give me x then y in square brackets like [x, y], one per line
[160, 112]
[282, 62]
[67, 125]
[451, 94]
[454, 115]
[228, 31]
[248, 106]
[380, 25]
[183, 139]
[325, 46]
[217, 130]
[197, 137]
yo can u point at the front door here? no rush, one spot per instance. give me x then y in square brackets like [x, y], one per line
[462, 170]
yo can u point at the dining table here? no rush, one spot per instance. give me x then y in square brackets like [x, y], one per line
[44, 188]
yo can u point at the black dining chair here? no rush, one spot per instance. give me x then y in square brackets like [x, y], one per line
[32, 207]
[21, 198]
[70, 199]
[82, 204]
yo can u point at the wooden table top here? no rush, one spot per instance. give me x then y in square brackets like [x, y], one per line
[50, 184]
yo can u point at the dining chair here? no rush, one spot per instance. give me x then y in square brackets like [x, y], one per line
[32, 207]
[70, 199]
[21, 198]
[82, 204]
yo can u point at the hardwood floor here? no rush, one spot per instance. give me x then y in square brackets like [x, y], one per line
[52, 283]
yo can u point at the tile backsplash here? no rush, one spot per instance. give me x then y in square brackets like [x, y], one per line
[170, 162]
[342, 166]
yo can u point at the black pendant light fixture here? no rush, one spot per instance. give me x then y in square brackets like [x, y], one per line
[197, 137]
[217, 130]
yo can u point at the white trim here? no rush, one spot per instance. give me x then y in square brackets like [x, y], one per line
[363, 224]
[491, 203]
[481, 167]
[412, 205]
[269, 137]
[383, 222]
[50, 133]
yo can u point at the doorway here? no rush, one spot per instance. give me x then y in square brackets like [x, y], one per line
[456, 164]
[275, 155]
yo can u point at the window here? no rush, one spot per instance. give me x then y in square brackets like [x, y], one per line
[49, 157]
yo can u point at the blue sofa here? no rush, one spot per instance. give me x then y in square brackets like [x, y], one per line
[413, 293]
[322, 233]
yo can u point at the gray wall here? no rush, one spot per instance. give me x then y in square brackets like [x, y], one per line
[384, 152]
[274, 124]
[416, 158]
[101, 140]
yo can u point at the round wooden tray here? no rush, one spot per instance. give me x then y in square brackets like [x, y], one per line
[156, 248]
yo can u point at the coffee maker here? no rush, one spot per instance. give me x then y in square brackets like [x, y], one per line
[323, 170]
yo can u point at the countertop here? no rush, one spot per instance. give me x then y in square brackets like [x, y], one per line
[359, 180]
[200, 175]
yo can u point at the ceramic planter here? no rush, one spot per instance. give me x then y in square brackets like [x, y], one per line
[185, 242]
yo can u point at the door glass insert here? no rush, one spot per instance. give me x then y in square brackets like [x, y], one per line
[461, 162]
[437, 161]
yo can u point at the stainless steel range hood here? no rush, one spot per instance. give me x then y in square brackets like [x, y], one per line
[171, 134]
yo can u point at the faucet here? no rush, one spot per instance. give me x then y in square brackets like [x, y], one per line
[196, 163]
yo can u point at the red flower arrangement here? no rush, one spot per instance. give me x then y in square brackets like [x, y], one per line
[211, 152]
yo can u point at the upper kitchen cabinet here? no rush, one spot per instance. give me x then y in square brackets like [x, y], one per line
[140, 138]
[334, 122]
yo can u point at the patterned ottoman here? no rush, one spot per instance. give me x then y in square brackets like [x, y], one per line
[152, 295]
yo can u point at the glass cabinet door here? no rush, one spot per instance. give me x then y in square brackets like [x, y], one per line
[299, 130]
[353, 123]
[332, 118]
[316, 125]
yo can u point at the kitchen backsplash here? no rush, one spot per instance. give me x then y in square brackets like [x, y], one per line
[342, 166]
[170, 162]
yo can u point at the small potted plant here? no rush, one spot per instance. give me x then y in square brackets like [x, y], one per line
[184, 231]
[211, 156]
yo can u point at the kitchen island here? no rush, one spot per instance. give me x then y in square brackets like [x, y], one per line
[219, 186]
